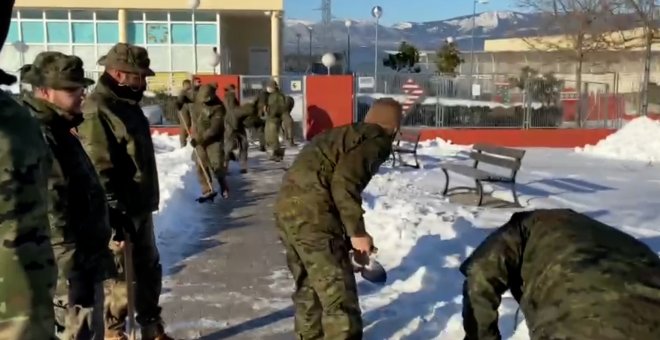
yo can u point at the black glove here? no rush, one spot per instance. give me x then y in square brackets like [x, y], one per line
[122, 224]
[193, 142]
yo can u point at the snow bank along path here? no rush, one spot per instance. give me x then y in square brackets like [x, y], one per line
[423, 238]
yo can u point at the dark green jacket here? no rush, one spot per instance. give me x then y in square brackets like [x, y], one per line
[330, 173]
[78, 212]
[276, 106]
[574, 278]
[231, 101]
[117, 138]
[208, 122]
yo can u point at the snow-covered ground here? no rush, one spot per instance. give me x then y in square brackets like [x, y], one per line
[423, 237]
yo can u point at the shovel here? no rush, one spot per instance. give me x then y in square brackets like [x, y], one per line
[371, 271]
[210, 196]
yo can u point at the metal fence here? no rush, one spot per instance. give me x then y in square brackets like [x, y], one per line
[490, 101]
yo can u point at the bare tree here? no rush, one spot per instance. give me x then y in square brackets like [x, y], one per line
[644, 14]
[577, 29]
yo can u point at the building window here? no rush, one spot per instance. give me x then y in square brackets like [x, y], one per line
[181, 16]
[83, 32]
[81, 15]
[107, 33]
[107, 15]
[31, 14]
[156, 16]
[58, 32]
[157, 33]
[33, 31]
[57, 15]
[205, 16]
[206, 34]
[182, 34]
[13, 32]
[136, 33]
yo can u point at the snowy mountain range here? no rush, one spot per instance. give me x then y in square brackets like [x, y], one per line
[425, 35]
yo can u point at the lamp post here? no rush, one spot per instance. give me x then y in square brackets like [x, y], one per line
[193, 5]
[328, 61]
[310, 29]
[348, 24]
[376, 12]
[474, 23]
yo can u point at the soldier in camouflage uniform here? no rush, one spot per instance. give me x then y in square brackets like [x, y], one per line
[574, 278]
[319, 217]
[117, 138]
[208, 119]
[27, 264]
[255, 123]
[80, 231]
[183, 102]
[275, 108]
[287, 121]
[231, 100]
[236, 134]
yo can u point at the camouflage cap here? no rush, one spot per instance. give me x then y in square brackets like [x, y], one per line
[55, 70]
[127, 58]
[206, 93]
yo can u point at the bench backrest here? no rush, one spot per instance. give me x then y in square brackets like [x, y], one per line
[498, 156]
[411, 136]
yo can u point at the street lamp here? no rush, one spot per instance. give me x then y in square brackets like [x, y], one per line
[193, 5]
[474, 24]
[310, 29]
[376, 12]
[328, 61]
[348, 24]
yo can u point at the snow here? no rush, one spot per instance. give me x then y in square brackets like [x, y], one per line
[638, 140]
[423, 237]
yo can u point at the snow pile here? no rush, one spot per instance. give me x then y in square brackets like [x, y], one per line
[638, 140]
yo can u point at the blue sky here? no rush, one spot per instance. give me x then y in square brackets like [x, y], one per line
[393, 10]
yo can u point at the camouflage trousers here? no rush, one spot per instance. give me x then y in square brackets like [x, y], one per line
[28, 275]
[148, 276]
[237, 140]
[325, 298]
[79, 311]
[287, 127]
[272, 131]
[211, 163]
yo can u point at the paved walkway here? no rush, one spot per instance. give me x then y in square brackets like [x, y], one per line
[233, 284]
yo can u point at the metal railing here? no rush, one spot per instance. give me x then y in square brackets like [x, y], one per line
[490, 101]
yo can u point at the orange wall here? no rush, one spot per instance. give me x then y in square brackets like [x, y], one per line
[329, 103]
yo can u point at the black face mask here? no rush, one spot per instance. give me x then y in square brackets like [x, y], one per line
[124, 92]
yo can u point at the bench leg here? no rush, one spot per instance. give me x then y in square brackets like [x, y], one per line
[515, 195]
[416, 161]
[444, 191]
[480, 192]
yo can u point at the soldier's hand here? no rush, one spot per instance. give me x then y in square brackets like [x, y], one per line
[362, 245]
[193, 142]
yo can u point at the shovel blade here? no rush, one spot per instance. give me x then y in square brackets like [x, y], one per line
[374, 272]
[207, 198]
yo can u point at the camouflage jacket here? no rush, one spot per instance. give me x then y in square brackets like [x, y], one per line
[27, 266]
[183, 103]
[236, 119]
[574, 278]
[231, 101]
[78, 212]
[331, 172]
[275, 106]
[290, 103]
[117, 138]
[208, 123]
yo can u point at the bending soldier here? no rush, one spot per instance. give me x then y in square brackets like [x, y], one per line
[27, 265]
[208, 118]
[116, 136]
[231, 100]
[236, 134]
[319, 208]
[275, 107]
[78, 210]
[574, 278]
[287, 121]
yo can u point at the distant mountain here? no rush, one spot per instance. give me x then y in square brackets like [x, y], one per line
[425, 35]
